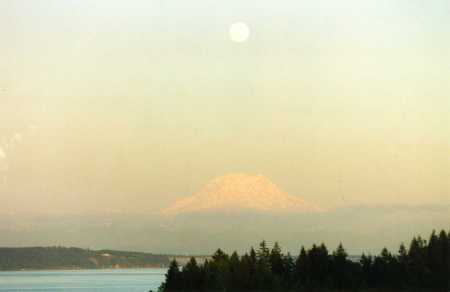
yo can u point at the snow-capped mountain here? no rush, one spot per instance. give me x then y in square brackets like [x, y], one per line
[237, 192]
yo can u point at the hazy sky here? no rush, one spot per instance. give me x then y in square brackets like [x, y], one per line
[129, 105]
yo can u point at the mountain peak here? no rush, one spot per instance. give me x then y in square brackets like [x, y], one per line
[239, 191]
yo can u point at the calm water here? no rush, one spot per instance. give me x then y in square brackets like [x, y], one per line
[128, 280]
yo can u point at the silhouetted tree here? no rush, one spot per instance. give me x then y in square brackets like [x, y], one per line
[434, 257]
[191, 276]
[403, 272]
[341, 268]
[263, 268]
[235, 275]
[443, 269]
[417, 264]
[425, 266]
[366, 263]
[318, 265]
[173, 278]
[288, 276]
[276, 260]
[302, 268]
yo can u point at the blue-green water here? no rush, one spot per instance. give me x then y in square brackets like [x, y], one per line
[127, 280]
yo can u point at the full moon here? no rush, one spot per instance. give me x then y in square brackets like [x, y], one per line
[239, 32]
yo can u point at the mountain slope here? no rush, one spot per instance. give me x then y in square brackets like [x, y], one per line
[235, 192]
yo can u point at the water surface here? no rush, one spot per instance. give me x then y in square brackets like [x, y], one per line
[118, 280]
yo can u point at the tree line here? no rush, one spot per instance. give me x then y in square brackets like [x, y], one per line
[423, 266]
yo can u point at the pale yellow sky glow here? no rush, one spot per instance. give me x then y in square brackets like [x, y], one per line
[107, 106]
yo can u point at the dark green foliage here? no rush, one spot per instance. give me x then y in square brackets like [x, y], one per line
[425, 266]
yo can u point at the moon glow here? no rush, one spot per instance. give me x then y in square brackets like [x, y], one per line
[239, 32]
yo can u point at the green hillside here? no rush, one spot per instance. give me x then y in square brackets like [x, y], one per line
[36, 258]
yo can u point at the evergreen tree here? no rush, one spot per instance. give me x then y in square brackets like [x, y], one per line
[263, 253]
[434, 260]
[341, 269]
[235, 278]
[219, 256]
[220, 265]
[253, 268]
[423, 267]
[276, 260]
[366, 263]
[191, 277]
[263, 269]
[390, 268]
[319, 265]
[444, 260]
[288, 276]
[253, 259]
[173, 278]
[247, 271]
[302, 268]
[402, 260]
[417, 265]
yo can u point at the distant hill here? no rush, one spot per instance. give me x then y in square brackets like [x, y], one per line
[40, 258]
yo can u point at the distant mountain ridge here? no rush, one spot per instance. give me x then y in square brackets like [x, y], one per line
[48, 258]
[237, 192]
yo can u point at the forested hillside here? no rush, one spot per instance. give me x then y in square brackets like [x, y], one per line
[75, 258]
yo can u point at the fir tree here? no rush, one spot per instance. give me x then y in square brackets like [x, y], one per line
[276, 260]
[423, 267]
[173, 278]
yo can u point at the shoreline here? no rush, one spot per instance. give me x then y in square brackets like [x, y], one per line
[84, 269]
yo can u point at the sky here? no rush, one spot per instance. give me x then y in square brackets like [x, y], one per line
[114, 106]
